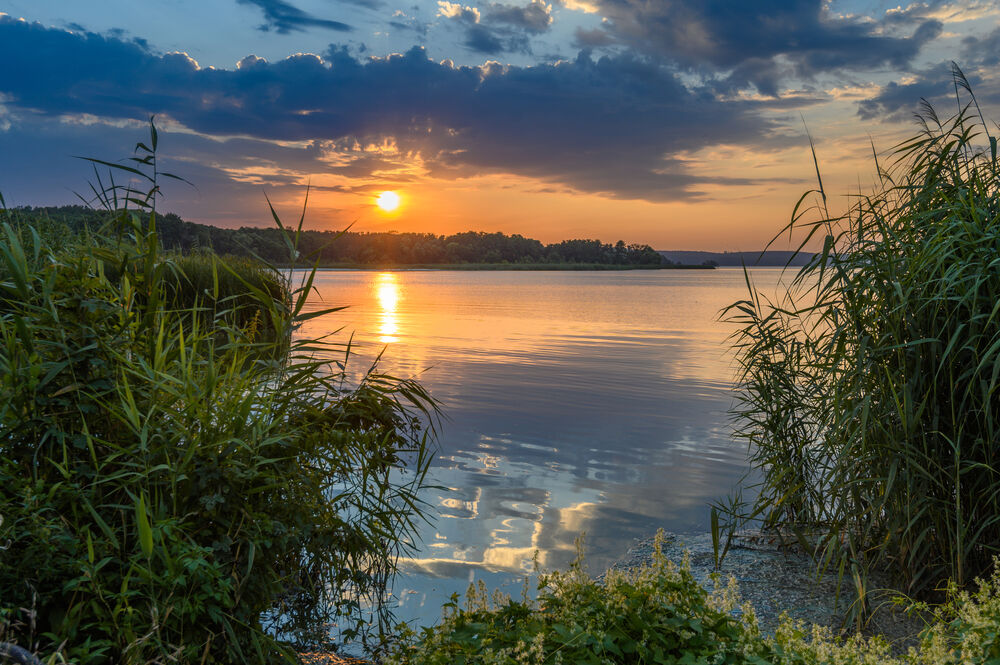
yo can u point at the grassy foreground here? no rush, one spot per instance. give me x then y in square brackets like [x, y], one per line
[183, 479]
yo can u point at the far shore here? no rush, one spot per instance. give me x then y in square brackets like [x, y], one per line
[499, 266]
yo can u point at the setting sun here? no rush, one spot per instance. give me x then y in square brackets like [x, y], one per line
[387, 201]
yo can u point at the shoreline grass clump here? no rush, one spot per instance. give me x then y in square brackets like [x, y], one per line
[870, 391]
[183, 477]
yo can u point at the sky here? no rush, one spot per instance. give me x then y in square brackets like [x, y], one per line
[677, 123]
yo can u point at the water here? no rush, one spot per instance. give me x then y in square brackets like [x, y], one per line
[576, 401]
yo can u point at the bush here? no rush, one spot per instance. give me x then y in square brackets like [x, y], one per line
[870, 392]
[658, 614]
[182, 478]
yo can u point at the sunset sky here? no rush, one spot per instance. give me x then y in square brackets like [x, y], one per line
[674, 123]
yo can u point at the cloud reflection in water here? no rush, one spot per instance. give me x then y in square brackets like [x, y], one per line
[577, 402]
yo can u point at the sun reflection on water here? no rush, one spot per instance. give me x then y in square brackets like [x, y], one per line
[576, 402]
[387, 293]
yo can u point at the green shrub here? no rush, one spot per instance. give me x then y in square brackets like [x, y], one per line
[176, 486]
[870, 389]
[659, 614]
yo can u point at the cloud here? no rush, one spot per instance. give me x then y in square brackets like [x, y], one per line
[5, 116]
[502, 28]
[585, 6]
[618, 125]
[762, 42]
[899, 101]
[534, 17]
[480, 39]
[588, 39]
[954, 12]
[402, 21]
[454, 10]
[982, 51]
[283, 17]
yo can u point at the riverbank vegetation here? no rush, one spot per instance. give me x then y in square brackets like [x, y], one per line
[870, 397]
[470, 249]
[659, 614]
[182, 477]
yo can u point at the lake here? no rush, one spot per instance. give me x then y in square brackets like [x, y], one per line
[576, 402]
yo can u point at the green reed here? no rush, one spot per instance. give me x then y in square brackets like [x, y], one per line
[183, 476]
[870, 389]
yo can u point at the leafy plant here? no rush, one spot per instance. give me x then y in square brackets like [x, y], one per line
[183, 476]
[870, 388]
[657, 613]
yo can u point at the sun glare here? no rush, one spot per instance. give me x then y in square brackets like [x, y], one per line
[387, 201]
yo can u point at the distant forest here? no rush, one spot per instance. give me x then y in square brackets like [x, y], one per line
[333, 248]
[768, 259]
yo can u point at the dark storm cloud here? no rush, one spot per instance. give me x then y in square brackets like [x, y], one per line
[618, 125]
[764, 41]
[283, 17]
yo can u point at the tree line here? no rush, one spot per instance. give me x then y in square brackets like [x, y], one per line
[373, 249]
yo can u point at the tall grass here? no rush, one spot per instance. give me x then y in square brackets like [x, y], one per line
[183, 477]
[870, 392]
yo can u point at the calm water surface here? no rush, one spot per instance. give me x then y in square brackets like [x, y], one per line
[576, 402]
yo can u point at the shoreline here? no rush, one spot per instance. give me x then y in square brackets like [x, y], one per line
[496, 267]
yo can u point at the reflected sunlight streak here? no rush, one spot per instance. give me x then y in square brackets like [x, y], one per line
[387, 292]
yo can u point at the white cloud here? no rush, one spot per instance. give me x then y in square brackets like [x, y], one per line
[457, 11]
[580, 6]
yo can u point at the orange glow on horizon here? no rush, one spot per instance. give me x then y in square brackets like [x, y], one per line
[716, 215]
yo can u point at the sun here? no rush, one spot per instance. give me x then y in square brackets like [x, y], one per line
[388, 201]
